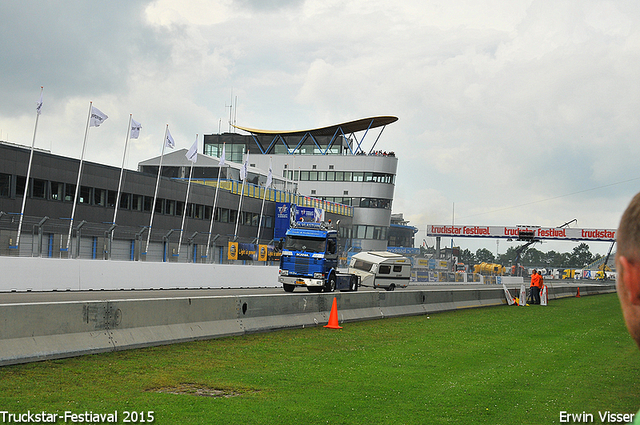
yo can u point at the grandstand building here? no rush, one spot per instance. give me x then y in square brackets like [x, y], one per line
[329, 163]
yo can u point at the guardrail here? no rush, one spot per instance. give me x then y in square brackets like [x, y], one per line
[39, 331]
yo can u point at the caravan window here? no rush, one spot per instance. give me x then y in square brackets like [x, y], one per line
[384, 269]
[397, 269]
[362, 265]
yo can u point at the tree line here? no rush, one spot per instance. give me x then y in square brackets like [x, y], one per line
[578, 258]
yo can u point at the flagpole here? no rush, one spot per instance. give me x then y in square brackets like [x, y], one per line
[155, 195]
[235, 233]
[75, 196]
[26, 186]
[124, 155]
[215, 200]
[186, 205]
[261, 210]
[266, 189]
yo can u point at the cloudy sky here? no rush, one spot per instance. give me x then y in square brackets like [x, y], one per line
[510, 112]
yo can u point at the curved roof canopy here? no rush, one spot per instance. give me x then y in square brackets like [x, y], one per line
[347, 127]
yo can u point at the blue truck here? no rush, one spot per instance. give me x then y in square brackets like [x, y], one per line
[309, 259]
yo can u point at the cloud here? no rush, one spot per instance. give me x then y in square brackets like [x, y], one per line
[499, 105]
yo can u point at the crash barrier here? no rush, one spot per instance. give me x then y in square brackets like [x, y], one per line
[49, 274]
[38, 331]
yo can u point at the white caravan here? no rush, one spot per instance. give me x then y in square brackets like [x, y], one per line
[381, 269]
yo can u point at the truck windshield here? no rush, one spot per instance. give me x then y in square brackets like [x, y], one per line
[298, 243]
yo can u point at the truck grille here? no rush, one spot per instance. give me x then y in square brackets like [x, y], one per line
[301, 265]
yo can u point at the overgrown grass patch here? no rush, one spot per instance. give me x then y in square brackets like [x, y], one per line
[499, 365]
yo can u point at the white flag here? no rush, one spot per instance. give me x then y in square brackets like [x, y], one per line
[169, 142]
[135, 129]
[97, 117]
[523, 295]
[222, 157]
[243, 170]
[269, 176]
[39, 104]
[192, 153]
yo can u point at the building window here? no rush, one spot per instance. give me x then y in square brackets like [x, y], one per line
[111, 197]
[85, 195]
[39, 189]
[125, 201]
[148, 203]
[69, 192]
[136, 203]
[99, 197]
[5, 185]
[20, 185]
[170, 207]
[57, 191]
[160, 203]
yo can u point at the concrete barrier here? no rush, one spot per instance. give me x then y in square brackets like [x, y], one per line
[49, 274]
[39, 331]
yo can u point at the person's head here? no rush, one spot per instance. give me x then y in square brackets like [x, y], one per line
[628, 266]
[534, 272]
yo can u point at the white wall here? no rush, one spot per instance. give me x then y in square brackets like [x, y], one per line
[46, 274]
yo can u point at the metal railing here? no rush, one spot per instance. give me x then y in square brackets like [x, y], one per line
[47, 238]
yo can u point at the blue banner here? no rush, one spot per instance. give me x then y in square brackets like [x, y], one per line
[283, 220]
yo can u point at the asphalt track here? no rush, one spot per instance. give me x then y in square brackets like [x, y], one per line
[102, 295]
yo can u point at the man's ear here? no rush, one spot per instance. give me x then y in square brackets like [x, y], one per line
[630, 275]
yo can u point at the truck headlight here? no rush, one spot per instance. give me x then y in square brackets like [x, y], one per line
[284, 272]
[318, 276]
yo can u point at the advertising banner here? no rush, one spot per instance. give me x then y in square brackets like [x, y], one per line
[513, 232]
[282, 221]
[252, 252]
[232, 253]
[287, 213]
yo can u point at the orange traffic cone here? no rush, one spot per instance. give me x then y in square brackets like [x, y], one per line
[578, 294]
[333, 317]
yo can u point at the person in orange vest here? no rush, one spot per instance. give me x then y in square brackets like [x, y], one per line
[628, 271]
[536, 285]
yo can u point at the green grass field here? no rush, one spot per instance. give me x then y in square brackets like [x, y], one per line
[498, 365]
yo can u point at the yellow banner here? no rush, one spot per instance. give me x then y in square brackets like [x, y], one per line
[233, 251]
[262, 253]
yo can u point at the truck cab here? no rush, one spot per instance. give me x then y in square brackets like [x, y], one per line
[310, 259]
